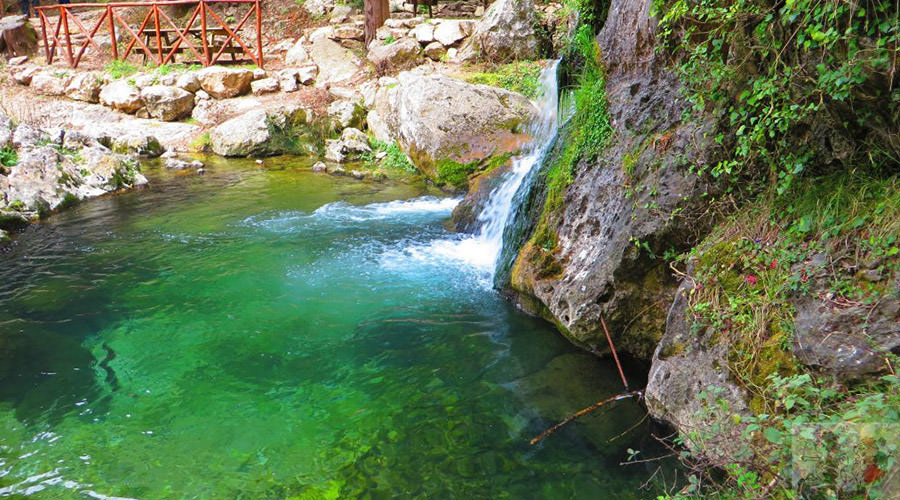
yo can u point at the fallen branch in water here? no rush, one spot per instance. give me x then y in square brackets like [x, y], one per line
[585, 411]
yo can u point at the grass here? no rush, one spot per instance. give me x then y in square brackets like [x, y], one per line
[201, 143]
[117, 69]
[522, 77]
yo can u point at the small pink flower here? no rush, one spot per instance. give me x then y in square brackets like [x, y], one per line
[750, 279]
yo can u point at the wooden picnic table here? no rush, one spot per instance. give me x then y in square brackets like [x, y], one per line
[168, 38]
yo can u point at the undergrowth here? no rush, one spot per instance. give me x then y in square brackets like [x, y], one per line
[457, 174]
[823, 239]
[8, 157]
[522, 77]
[117, 69]
[394, 158]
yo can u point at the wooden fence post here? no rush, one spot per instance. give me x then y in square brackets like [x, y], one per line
[376, 13]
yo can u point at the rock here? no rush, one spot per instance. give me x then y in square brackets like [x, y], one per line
[85, 87]
[179, 164]
[686, 364]
[378, 127]
[505, 33]
[258, 74]
[188, 82]
[121, 96]
[335, 62]
[211, 112]
[169, 154]
[6, 130]
[167, 103]
[287, 80]
[349, 32]
[50, 83]
[320, 167]
[337, 170]
[201, 95]
[340, 13]
[435, 51]
[402, 54]
[352, 143]
[266, 86]
[479, 11]
[18, 61]
[224, 83]
[424, 33]
[594, 269]
[434, 117]
[306, 75]
[45, 180]
[452, 53]
[132, 142]
[346, 113]
[25, 136]
[318, 8]
[356, 174]
[24, 74]
[256, 132]
[847, 342]
[17, 36]
[297, 55]
[142, 80]
[168, 80]
[449, 32]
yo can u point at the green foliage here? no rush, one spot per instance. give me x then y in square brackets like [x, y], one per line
[394, 158]
[455, 173]
[522, 77]
[820, 441]
[117, 69]
[772, 70]
[8, 157]
[17, 205]
[166, 69]
[389, 40]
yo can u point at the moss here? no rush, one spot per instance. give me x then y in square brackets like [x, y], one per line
[457, 174]
[522, 77]
[672, 349]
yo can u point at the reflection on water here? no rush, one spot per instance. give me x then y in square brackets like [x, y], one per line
[277, 334]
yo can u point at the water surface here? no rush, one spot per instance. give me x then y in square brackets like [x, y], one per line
[264, 332]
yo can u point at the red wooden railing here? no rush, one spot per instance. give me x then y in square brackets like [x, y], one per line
[151, 28]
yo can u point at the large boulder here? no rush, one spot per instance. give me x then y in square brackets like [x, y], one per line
[297, 55]
[121, 96]
[85, 87]
[505, 33]
[396, 56]
[167, 103]
[353, 142]
[434, 118]
[451, 31]
[335, 62]
[224, 83]
[257, 132]
[44, 179]
[50, 83]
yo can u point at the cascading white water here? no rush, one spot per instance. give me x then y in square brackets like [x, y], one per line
[500, 206]
[481, 253]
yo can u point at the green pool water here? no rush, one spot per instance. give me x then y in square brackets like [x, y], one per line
[266, 332]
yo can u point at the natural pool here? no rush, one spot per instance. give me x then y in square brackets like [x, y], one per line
[264, 332]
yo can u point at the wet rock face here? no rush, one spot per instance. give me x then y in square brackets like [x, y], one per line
[626, 209]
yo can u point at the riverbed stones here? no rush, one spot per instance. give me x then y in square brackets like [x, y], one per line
[353, 142]
[435, 117]
[167, 103]
[224, 83]
[507, 32]
[346, 113]
[121, 96]
[85, 87]
[257, 132]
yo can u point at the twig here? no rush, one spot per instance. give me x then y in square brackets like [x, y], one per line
[613, 349]
[585, 411]
[633, 427]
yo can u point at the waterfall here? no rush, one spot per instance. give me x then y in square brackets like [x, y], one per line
[483, 253]
[504, 200]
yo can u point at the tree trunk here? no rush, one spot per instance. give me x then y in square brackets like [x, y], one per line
[18, 37]
[376, 12]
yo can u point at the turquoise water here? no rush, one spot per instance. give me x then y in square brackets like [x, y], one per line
[266, 332]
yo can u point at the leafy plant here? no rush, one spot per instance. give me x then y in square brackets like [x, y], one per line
[389, 40]
[771, 71]
[394, 158]
[8, 157]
